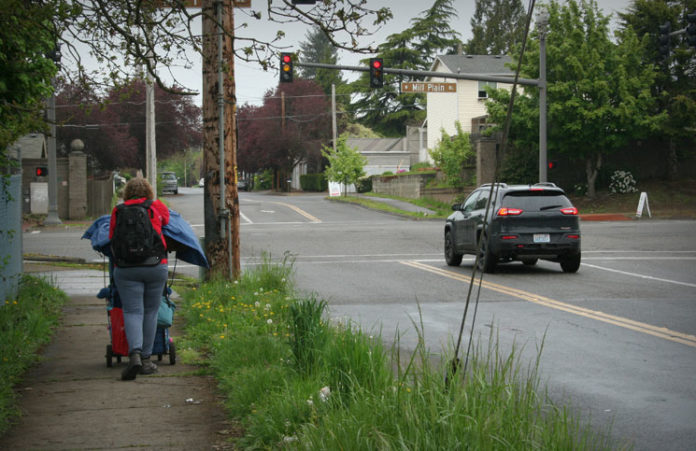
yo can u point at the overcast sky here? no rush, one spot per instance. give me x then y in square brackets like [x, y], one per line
[252, 81]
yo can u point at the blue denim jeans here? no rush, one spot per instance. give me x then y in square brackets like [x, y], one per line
[141, 290]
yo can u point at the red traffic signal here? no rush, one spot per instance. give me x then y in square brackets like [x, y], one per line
[552, 164]
[286, 67]
[41, 171]
[376, 73]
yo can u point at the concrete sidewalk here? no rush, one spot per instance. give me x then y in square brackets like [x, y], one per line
[71, 400]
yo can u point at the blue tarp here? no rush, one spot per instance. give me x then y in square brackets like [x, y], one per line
[188, 246]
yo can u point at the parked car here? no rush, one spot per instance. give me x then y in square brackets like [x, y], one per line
[170, 184]
[242, 185]
[201, 183]
[525, 223]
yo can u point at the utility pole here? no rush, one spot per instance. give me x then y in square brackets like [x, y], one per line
[221, 202]
[333, 115]
[150, 146]
[542, 24]
[52, 217]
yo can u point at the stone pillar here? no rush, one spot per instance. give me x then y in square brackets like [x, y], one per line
[486, 158]
[77, 183]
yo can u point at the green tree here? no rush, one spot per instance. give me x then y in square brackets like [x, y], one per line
[387, 110]
[598, 91]
[345, 164]
[433, 33]
[496, 26]
[675, 81]
[318, 49]
[451, 153]
[27, 36]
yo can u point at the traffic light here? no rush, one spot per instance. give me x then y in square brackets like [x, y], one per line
[663, 40]
[41, 171]
[691, 29]
[553, 164]
[286, 67]
[376, 73]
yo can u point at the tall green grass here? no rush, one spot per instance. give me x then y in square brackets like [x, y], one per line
[296, 381]
[26, 324]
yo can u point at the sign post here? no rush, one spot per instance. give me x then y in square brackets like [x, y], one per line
[643, 203]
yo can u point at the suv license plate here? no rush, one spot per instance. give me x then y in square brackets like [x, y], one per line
[542, 238]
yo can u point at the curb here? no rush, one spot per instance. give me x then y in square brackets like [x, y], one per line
[605, 217]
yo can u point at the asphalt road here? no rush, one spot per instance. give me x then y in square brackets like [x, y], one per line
[619, 337]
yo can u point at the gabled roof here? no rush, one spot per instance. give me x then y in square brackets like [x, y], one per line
[32, 146]
[473, 64]
[376, 144]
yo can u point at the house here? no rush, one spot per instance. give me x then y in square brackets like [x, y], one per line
[467, 104]
[31, 147]
[382, 154]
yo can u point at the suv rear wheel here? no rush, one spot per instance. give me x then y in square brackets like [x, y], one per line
[452, 257]
[487, 260]
[571, 263]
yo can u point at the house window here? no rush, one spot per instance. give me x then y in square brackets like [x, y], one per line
[482, 94]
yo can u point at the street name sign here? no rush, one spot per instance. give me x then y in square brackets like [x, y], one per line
[419, 87]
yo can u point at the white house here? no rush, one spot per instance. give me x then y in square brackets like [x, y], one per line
[466, 105]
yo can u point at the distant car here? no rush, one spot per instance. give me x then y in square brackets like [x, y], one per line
[242, 185]
[170, 184]
[525, 223]
[201, 183]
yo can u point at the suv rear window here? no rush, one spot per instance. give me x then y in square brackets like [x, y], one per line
[536, 200]
[169, 176]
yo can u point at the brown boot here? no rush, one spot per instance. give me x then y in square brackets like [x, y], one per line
[134, 366]
[149, 366]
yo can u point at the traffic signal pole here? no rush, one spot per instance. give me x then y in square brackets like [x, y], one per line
[423, 73]
[540, 83]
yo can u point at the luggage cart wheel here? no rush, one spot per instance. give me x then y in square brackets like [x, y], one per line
[172, 353]
[109, 356]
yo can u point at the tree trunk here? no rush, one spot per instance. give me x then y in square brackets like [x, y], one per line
[221, 224]
[672, 161]
[592, 167]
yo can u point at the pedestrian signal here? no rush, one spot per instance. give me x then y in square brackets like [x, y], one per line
[41, 171]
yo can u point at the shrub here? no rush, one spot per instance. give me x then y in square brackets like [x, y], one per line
[622, 182]
[450, 155]
[314, 182]
[364, 185]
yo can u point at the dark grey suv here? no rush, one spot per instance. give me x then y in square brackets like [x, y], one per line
[525, 222]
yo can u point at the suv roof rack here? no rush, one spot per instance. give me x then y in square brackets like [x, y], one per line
[549, 184]
[500, 184]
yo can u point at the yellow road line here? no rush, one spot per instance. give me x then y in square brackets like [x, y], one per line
[300, 211]
[661, 332]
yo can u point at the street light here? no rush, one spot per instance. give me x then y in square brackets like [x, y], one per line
[542, 22]
[52, 217]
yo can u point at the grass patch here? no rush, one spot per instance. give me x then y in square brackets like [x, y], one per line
[668, 200]
[26, 324]
[441, 209]
[296, 381]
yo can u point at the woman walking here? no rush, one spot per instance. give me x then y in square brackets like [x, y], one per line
[140, 269]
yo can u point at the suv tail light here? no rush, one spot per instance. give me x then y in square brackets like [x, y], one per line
[510, 211]
[572, 211]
